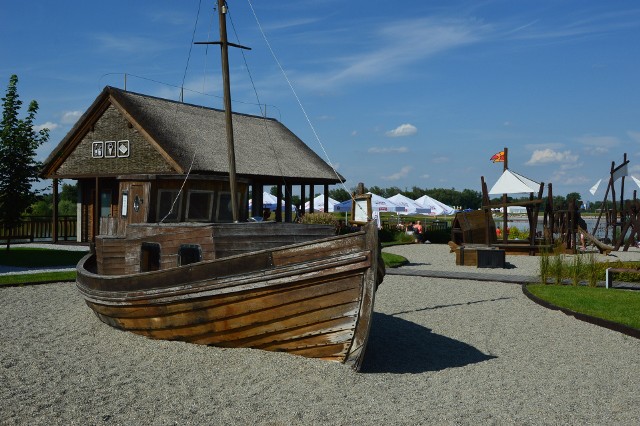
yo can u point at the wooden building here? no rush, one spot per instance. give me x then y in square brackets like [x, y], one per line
[139, 158]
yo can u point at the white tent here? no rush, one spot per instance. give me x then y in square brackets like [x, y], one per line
[381, 204]
[437, 208]
[513, 183]
[318, 204]
[269, 202]
[378, 204]
[410, 206]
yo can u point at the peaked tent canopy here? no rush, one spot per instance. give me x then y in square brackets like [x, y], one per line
[318, 204]
[268, 201]
[514, 183]
[437, 207]
[410, 206]
[378, 204]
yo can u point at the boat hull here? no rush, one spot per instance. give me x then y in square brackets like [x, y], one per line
[313, 299]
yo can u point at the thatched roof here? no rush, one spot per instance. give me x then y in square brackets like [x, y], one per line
[264, 147]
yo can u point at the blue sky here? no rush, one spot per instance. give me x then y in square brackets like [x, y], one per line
[412, 93]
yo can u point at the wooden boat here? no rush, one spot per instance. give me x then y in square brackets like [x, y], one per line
[274, 286]
[313, 298]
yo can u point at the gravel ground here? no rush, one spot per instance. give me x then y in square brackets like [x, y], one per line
[440, 352]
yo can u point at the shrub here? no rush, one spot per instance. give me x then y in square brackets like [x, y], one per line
[517, 234]
[544, 266]
[320, 219]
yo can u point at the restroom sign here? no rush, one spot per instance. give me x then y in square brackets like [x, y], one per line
[110, 149]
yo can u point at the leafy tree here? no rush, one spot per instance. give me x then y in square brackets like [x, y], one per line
[18, 167]
[67, 201]
[339, 194]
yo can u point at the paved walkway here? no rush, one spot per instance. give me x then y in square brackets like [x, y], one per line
[494, 277]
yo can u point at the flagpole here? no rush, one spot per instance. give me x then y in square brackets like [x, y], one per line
[504, 201]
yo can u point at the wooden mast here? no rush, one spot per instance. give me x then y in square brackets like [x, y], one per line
[224, 53]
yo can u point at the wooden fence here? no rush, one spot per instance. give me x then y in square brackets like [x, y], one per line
[40, 228]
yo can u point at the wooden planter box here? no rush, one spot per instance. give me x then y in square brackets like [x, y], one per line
[481, 257]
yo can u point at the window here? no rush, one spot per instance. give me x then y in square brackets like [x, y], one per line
[150, 257]
[224, 212]
[169, 205]
[105, 203]
[200, 205]
[189, 253]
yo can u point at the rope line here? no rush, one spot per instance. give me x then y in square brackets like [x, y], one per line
[295, 94]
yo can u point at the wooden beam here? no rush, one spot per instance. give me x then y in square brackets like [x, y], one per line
[279, 203]
[287, 202]
[54, 225]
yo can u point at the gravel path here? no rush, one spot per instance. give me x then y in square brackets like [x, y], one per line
[440, 352]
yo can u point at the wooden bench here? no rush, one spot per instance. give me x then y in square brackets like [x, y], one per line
[611, 271]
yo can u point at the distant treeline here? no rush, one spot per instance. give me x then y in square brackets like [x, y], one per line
[466, 199]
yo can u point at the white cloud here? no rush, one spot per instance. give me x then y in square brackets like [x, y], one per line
[128, 44]
[570, 179]
[70, 117]
[48, 125]
[397, 45]
[440, 160]
[402, 130]
[425, 176]
[354, 133]
[635, 136]
[546, 156]
[598, 145]
[399, 175]
[569, 166]
[391, 150]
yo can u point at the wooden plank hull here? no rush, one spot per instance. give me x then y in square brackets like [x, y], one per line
[313, 299]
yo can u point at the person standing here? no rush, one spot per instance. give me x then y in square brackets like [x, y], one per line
[417, 230]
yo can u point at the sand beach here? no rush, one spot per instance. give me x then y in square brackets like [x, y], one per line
[441, 351]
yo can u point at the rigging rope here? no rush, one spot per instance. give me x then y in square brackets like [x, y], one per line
[263, 113]
[184, 77]
[295, 94]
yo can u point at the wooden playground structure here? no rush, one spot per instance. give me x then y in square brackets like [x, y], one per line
[621, 217]
[560, 227]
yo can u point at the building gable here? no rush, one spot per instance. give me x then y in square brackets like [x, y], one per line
[113, 145]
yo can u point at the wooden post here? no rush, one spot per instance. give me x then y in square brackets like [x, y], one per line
[504, 201]
[486, 210]
[326, 197]
[96, 210]
[302, 199]
[311, 198]
[571, 226]
[54, 224]
[287, 202]
[278, 203]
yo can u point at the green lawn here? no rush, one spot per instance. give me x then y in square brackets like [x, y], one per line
[36, 278]
[39, 257]
[393, 260]
[621, 306]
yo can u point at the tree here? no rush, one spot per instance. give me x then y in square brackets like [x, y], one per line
[339, 194]
[18, 166]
